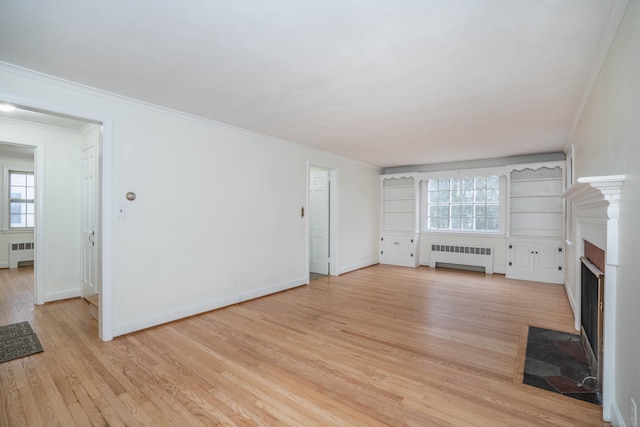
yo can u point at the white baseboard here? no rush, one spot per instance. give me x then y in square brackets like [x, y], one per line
[60, 295]
[357, 266]
[616, 417]
[201, 307]
[4, 264]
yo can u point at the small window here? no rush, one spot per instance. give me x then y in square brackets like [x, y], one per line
[469, 204]
[21, 200]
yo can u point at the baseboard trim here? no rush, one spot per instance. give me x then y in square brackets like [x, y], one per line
[60, 295]
[202, 307]
[357, 266]
[616, 417]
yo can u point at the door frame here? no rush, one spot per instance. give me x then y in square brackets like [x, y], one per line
[105, 311]
[333, 218]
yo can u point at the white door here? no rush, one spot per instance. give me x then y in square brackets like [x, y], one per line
[319, 221]
[89, 214]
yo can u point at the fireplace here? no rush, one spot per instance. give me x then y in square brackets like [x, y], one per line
[595, 218]
[591, 310]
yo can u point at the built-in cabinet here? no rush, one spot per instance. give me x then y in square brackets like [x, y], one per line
[535, 242]
[399, 220]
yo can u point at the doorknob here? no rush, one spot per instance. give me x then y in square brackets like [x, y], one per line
[91, 238]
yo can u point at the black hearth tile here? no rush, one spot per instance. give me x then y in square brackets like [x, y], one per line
[567, 385]
[551, 354]
[536, 381]
[585, 397]
[575, 369]
[540, 368]
[574, 349]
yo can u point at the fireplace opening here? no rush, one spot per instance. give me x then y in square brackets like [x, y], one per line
[591, 310]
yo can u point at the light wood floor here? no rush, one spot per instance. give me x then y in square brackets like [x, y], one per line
[380, 346]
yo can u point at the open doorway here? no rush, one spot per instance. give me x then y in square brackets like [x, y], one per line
[56, 143]
[321, 222]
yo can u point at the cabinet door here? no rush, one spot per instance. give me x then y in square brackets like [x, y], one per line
[522, 256]
[406, 250]
[548, 258]
[388, 250]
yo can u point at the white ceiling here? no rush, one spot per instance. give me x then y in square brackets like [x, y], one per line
[386, 82]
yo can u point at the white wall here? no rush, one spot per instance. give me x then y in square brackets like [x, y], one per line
[217, 215]
[607, 142]
[61, 203]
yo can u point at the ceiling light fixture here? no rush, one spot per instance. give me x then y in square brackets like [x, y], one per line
[7, 108]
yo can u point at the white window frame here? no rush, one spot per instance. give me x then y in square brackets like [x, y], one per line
[500, 172]
[6, 200]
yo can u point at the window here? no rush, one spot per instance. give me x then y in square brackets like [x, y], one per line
[462, 204]
[21, 195]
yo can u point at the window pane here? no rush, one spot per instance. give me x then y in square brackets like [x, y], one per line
[493, 182]
[21, 195]
[492, 224]
[467, 183]
[493, 210]
[443, 223]
[493, 195]
[462, 204]
[456, 223]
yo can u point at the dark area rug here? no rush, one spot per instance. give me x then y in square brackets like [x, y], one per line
[556, 361]
[18, 340]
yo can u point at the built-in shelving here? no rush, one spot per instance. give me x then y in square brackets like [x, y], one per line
[399, 222]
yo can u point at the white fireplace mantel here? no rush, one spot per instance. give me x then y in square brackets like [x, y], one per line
[593, 190]
[596, 214]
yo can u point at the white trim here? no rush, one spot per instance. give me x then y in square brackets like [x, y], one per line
[596, 218]
[60, 295]
[202, 307]
[498, 171]
[358, 266]
[616, 416]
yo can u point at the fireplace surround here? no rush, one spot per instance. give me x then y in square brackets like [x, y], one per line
[595, 218]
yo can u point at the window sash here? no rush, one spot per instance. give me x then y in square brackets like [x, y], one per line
[468, 204]
[21, 200]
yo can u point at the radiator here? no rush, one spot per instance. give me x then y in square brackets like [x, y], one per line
[462, 255]
[19, 252]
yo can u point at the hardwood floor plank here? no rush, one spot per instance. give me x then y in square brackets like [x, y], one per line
[379, 346]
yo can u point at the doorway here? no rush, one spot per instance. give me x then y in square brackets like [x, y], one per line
[321, 222]
[35, 130]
